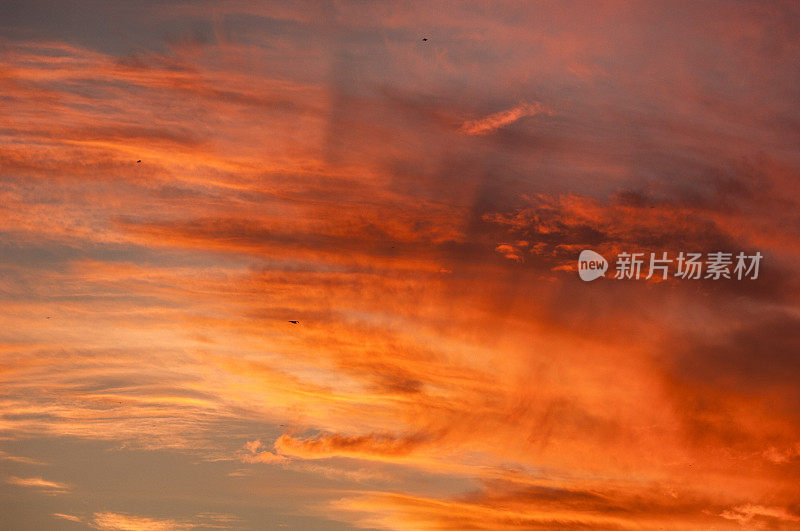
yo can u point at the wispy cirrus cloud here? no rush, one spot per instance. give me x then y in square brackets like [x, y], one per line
[493, 122]
[758, 515]
[68, 517]
[52, 487]
[126, 522]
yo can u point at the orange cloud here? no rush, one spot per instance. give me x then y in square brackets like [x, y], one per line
[39, 483]
[125, 522]
[69, 517]
[254, 455]
[365, 446]
[500, 119]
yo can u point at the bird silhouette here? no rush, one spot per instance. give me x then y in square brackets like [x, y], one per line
[295, 322]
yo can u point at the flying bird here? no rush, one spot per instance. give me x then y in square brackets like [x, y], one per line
[295, 322]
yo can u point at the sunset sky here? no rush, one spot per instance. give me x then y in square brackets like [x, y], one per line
[179, 180]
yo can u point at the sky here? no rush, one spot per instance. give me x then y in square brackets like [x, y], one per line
[412, 182]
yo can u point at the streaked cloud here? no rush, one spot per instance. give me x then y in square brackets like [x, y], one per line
[52, 487]
[760, 516]
[127, 522]
[68, 517]
[500, 119]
